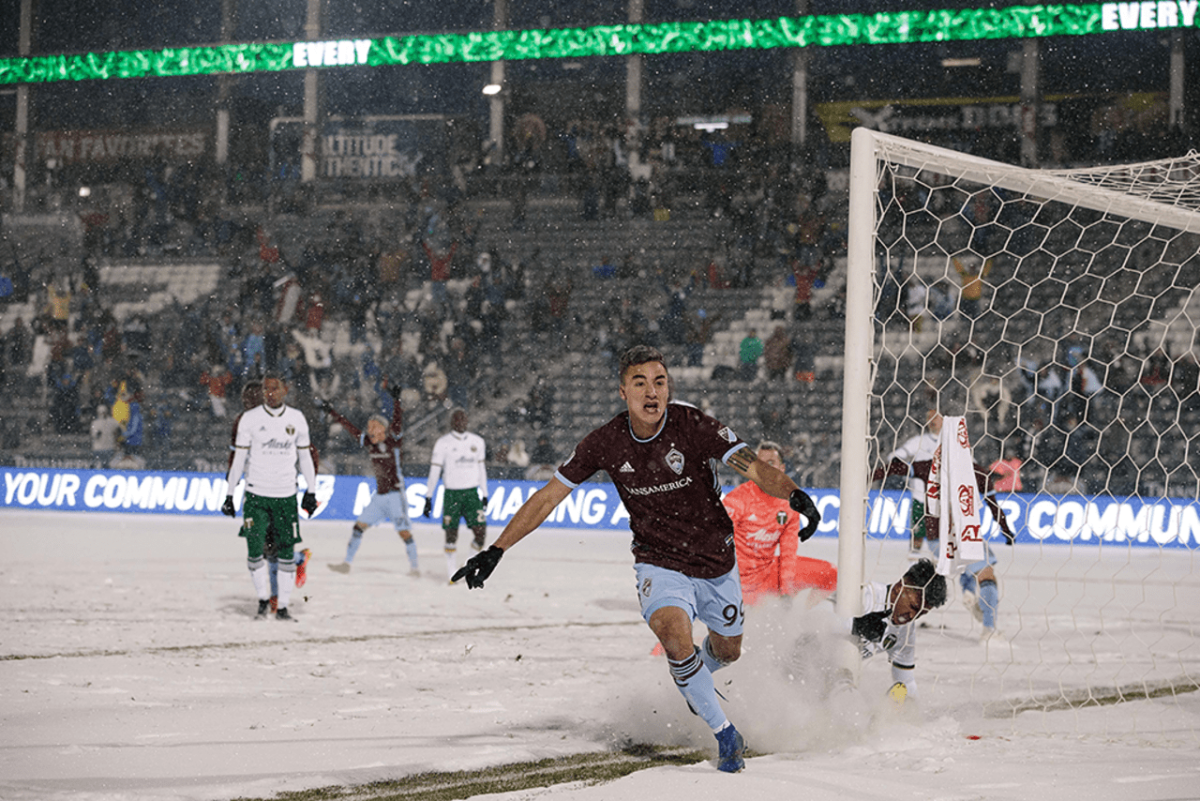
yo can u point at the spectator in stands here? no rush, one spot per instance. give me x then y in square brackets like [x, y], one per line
[439, 269]
[804, 276]
[1157, 371]
[1007, 470]
[461, 370]
[775, 415]
[64, 407]
[699, 332]
[971, 275]
[542, 460]
[749, 352]
[19, 343]
[135, 430]
[217, 381]
[106, 437]
[777, 354]
[541, 403]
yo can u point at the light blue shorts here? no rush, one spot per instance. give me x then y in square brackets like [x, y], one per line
[717, 603]
[989, 558]
[389, 506]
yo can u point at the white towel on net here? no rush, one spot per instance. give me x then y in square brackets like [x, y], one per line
[952, 496]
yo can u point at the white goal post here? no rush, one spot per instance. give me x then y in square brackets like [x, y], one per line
[1088, 275]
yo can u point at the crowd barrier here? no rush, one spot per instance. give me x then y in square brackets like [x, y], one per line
[1077, 519]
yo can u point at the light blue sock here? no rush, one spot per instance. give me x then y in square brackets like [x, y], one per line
[410, 548]
[989, 602]
[695, 682]
[352, 548]
[709, 658]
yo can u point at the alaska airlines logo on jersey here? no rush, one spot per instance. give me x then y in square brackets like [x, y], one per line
[675, 461]
[763, 535]
[274, 444]
[668, 487]
[726, 434]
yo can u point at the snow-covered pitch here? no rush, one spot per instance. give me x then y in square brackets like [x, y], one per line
[131, 668]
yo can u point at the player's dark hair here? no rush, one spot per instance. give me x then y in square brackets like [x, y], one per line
[769, 445]
[924, 576]
[252, 394]
[639, 354]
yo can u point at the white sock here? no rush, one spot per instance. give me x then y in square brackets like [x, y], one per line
[287, 580]
[262, 581]
[451, 562]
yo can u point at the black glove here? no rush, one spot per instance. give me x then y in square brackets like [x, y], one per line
[479, 567]
[308, 503]
[428, 508]
[326, 406]
[800, 502]
[228, 508]
[395, 391]
[484, 501]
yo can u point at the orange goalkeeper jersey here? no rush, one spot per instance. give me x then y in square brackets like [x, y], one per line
[765, 533]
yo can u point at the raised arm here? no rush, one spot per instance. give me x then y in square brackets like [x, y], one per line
[350, 428]
[777, 484]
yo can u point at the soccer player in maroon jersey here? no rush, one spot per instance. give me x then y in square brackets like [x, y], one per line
[660, 457]
[383, 442]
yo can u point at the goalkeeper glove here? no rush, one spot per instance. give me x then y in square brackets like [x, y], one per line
[395, 391]
[228, 508]
[479, 567]
[308, 503]
[800, 502]
[428, 508]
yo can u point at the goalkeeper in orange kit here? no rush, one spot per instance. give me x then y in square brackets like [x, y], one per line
[766, 532]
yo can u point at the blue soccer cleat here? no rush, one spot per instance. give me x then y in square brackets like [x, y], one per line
[732, 746]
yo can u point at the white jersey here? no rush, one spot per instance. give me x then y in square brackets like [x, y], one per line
[916, 449]
[898, 641]
[458, 459]
[274, 441]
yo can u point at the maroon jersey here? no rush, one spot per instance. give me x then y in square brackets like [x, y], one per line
[668, 486]
[385, 455]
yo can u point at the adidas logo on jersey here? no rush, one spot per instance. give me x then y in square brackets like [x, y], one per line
[626, 468]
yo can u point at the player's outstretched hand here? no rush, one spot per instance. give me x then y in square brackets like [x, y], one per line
[228, 508]
[428, 511]
[308, 503]
[479, 567]
[800, 502]
[395, 390]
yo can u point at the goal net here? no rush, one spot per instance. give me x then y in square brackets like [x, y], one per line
[1057, 312]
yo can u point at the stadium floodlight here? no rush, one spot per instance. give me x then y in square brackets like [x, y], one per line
[818, 30]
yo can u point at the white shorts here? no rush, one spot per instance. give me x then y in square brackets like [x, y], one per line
[717, 603]
[389, 506]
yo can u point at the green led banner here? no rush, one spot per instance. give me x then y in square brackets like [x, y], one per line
[888, 27]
